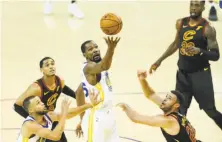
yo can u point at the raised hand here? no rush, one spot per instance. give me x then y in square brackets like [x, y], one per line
[141, 74]
[65, 106]
[93, 96]
[112, 42]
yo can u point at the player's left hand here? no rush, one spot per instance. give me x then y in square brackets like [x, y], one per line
[192, 50]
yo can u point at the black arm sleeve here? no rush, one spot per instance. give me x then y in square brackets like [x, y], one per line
[212, 55]
[69, 92]
[20, 110]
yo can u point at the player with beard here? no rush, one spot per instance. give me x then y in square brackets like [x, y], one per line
[48, 88]
[197, 44]
[37, 126]
[174, 126]
[98, 124]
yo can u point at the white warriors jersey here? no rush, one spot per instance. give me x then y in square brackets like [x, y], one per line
[34, 138]
[104, 88]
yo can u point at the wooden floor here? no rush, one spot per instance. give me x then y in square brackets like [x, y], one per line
[148, 28]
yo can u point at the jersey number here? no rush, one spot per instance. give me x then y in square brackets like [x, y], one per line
[86, 92]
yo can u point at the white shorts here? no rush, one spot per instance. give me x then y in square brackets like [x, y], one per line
[99, 126]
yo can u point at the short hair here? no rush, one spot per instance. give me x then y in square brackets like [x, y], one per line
[180, 97]
[83, 46]
[41, 62]
[203, 2]
[26, 103]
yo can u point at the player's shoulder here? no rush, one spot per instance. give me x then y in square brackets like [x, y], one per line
[35, 86]
[29, 124]
[179, 22]
[61, 80]
[87, 66]
[182, 20]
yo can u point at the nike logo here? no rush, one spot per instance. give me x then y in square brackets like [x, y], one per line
[205, 69]
[184, 26]
[45, 93]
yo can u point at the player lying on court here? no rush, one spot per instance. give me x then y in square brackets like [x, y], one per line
[174, 126]
[98, 124]
[37, 126]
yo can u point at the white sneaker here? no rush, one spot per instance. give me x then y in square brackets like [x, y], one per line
[47, 8]
[75, 11]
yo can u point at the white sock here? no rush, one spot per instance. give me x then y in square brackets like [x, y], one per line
[212, 4]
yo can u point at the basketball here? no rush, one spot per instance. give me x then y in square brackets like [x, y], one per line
[111, 24]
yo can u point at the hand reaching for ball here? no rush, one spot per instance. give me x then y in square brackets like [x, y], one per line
[112, 42]
[141, 74]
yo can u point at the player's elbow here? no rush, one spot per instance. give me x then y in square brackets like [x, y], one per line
[217, 57]
[56, 137]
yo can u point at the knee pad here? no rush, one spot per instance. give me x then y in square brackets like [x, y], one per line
[212, 112]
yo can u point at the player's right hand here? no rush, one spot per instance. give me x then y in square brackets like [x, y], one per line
[141, 74]
[124, 106]
[79, 131]
[112, 42]
[154, 67]
[65, 106]
[93, 96]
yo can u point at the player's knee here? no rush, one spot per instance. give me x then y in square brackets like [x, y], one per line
[212, 112]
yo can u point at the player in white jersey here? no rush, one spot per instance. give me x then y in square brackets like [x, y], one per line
[98, 124]
[37, 126]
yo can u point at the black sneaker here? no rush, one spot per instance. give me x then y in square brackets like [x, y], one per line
[213, 14]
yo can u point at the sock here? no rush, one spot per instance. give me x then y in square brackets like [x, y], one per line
[212, 4]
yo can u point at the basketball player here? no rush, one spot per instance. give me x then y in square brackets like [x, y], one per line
[37, 126]
[197, 44]
[73, 9]
[98, 124]
[174, 126]
[48, 88]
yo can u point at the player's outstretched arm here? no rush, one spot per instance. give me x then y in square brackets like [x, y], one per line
[72, 112]
[170, 50]
[147, 90]
[95, 68]
[155, 121]
[33, 90]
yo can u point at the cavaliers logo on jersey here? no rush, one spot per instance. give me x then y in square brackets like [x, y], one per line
[188, 35]
[108, 82]
[51, 101]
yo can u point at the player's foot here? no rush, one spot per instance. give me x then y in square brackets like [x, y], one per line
[75, 11]
[47, 8]
[213, 14]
